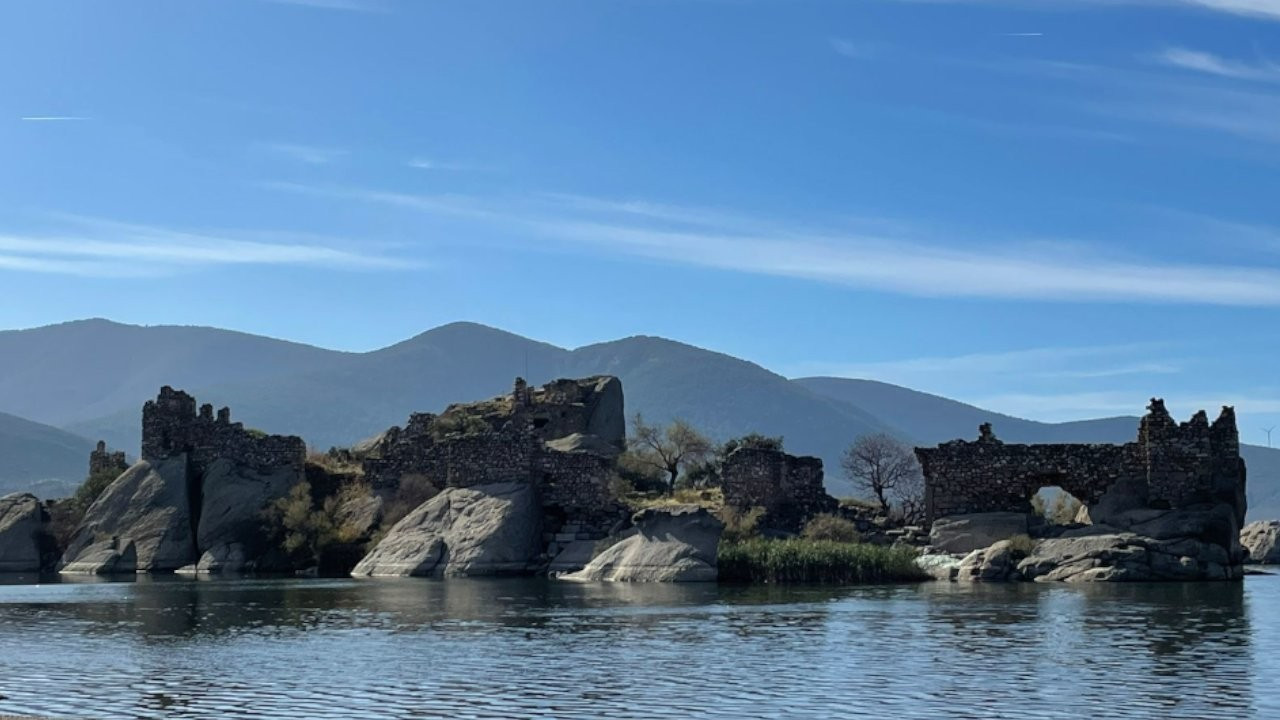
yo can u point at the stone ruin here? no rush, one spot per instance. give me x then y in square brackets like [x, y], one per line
[563, 438]
[172, 426]
[1169, 466]
[1168, 506]
[194, 500]
[103, 461]
[789, 488]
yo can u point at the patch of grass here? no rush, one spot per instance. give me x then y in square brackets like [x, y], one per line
[815, 561]
[831, 527]
[854, 503]
[739, 525]
[1022, 545]
[711, 499]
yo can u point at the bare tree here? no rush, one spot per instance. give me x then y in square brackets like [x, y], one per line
[669, 449]
[885, 468]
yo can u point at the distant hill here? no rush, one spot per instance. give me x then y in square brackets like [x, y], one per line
[358, 395]
[91, 378]
[40, 458]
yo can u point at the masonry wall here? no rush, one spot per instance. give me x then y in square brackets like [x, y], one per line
[1174, 465]
[789, 488]
[171, 425]
[104, 461]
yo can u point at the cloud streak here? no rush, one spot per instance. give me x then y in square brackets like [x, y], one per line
[309, 154]
[1204, 62]
[53, 118]
[102, 248]
[344, 5]
[916, 265]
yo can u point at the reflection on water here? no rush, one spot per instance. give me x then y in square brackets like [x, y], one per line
[170, 648]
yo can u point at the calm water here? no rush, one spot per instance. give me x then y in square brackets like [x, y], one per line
[542, 649]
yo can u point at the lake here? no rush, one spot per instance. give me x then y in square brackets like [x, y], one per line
[170, 648]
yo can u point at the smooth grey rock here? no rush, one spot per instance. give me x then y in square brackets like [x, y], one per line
[1260, 538]
[147, 506]
[575, 556]
[1125, 557]
[677, 544]
[361, 515]
[225, 559]
[998, 563]
[490, 529]
[232, 502]
[22, 522]
[108, 557]
[965, 533]
[607, 417]
[579, 442]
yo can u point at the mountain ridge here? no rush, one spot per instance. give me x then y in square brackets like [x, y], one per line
[91, 377]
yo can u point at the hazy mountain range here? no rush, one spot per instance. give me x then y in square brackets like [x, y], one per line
[66, 384]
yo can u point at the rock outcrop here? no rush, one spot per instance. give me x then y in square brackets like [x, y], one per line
[483, 530]
[676, 544]
[997, 563]
[230, 530]
[962, 534]
[108, 557]
[22, 527]
[194, 502]
[1260, 539]
[147, 507]
[562, 438]
[1103, 556]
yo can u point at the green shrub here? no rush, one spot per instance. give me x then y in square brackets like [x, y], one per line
[1022, 545]
[739, 525]
[414, 489]
[831, 527]
[815, 561]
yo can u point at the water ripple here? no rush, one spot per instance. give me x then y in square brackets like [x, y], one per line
[540, 649]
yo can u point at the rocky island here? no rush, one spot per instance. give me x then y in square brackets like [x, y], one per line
[528, 483]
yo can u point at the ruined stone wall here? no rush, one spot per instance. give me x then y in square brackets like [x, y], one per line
[104, 461]
[505, 440]
[171, 426]
[1171, 465]
[789, 488]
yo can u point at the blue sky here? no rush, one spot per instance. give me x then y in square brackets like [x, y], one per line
[1051, 208]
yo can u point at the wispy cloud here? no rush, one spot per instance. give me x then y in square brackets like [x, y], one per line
[926, 266]
[1263, 9]
[53, 118]
[850, 49]
[1062, 407]
[94, 247]
[347, 5]
[1056, 361]
[1022, 34]
[1204, 62]
[424, 163]
[309, 154]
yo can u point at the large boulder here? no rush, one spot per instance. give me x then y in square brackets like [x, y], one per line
[22, 524]
[962, 534]
[1259, 538]
[490, 529]
[676, 544]
[1123, 556]
[998, 563]
[233, 497]
[148, 506]
[108, 557]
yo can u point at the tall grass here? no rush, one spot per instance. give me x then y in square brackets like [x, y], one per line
[798, 560]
